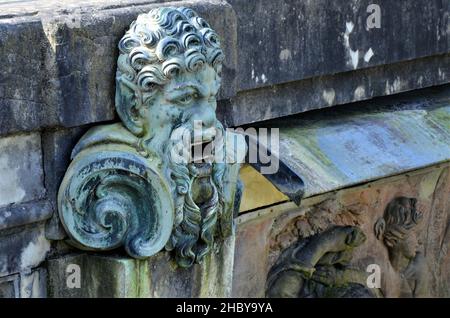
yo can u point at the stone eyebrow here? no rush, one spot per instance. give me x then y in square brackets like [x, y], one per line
[196, 88]
[184, 86]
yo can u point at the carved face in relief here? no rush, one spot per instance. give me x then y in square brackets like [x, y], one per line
[396, 229]
[188, 98]
[408, 247]
[168, 77]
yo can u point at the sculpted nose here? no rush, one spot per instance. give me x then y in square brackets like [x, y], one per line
[205, 114]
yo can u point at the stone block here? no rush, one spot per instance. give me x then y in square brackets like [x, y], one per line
[73, 59]
[22, 248]
[100, 276]
[103, 275]
[294, 40]
[27, 88]
[21, 173]
[57, 146]
[24, 285]
[334, 90]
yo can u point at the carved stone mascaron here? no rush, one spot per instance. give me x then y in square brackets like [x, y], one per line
[126, 185]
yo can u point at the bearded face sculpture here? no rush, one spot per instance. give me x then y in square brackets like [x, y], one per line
[137, 183]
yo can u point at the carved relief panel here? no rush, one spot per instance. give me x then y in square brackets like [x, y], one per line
[389, 238]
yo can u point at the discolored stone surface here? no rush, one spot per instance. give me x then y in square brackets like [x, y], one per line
[23, 212]
[20, 169]
[292, 40]
[22, 248]
[57, 146]
[73, 59]
[157, 276]
[366, 141]
[299, 50]
[56, 75]
[333, 90]
[24, 285]
[99, 277]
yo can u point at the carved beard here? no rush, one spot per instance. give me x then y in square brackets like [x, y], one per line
[196, 223]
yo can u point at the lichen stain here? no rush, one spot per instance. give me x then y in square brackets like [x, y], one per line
[360, 93]
[442, 75]
[329, 96]
[420, 80]
[369, 54]
[10, 188]
[394, 88]
[353, 54]
[285, 55]
[264, 78]
[34, 253]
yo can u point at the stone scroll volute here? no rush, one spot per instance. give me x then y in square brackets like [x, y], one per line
[137, 184]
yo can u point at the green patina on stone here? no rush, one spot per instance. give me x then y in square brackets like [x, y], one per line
[128, 184]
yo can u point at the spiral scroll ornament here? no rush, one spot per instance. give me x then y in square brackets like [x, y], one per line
[113, 197]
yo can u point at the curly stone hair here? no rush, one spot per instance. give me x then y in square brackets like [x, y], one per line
[167, 40]
[158, 45]
[400, 216]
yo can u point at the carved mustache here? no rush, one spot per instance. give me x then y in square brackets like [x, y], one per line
[193, 144]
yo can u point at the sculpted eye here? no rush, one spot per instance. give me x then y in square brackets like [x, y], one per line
[186, 99]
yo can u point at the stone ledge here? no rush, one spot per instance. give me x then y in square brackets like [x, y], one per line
[333, 90]
[71, 51]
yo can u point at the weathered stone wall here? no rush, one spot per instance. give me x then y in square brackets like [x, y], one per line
[23, 210]
[57, 80]
[59, 59]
